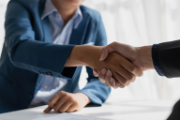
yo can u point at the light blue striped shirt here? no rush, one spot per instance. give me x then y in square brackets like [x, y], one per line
[61, 33]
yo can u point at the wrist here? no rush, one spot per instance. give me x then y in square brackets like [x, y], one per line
[145, 54]
[90, 55]
[84, 98]
[83, 55]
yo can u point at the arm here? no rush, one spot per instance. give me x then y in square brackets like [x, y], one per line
[168, 56]
[27, 52]
[96, 91]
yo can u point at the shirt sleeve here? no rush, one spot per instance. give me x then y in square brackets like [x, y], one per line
[156, 60]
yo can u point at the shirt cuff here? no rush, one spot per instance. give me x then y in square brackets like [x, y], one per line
[156, 60]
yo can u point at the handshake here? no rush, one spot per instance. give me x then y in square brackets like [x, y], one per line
[121, 64]
[116, 65]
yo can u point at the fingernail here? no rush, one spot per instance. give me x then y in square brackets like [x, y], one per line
[95, 73]
[45, 111]
[109, 73]
[111, 80]
[101, 59]
[103, 72]
[102, 81]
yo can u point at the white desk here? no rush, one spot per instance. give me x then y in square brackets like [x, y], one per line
[114, 110]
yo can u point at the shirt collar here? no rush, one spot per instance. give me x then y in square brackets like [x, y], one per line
[50, 8]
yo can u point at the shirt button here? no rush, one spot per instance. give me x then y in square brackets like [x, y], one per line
[35, 102]
[45, 87]
[50, 74]
[40, 72]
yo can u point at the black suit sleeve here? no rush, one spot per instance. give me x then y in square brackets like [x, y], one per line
[169, 58]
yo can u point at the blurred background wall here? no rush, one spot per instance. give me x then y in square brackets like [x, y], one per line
[3, 4]
[138, 23]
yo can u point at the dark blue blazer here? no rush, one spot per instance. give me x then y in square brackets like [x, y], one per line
[28, 54]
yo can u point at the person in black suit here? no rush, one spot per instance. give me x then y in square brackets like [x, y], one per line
[163, 57]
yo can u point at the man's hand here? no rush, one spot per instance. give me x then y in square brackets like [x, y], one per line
[67, 102]
[123, 71]
[139, 56]
[129, 52]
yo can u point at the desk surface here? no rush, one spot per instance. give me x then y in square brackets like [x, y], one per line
[114, 110]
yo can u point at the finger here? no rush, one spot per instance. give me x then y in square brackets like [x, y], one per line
[108, 49]
[118, 84]
[47, 110]
[61, 101]
[102, 75]
[55, 99]
[114, 83]
[129, 77]
[131, 67]
[104, 53]
[108, 80]
[72, 108]
[120, 79]
[133, 80]
[95, 73]
[65, 106]
[107, 83]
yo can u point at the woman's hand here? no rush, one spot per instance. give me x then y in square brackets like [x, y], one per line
[67, 102]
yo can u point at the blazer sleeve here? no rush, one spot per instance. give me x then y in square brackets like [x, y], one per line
[94, 89]
[169, 58]
[26, 52]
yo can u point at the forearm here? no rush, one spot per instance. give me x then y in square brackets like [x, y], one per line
[83, 55]
[85, 98]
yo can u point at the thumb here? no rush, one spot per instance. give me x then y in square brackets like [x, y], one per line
[47, 110]
[104, 53]
[108, 49]
[95, 73]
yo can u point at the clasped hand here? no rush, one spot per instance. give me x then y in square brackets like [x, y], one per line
[123, 64]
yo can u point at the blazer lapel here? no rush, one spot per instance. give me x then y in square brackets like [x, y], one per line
[46, 29]
[78, 34]
[45, 23]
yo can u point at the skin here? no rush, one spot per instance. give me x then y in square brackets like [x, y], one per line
[139, 56]
[123, 71]
[67, 102]
[67, 8]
